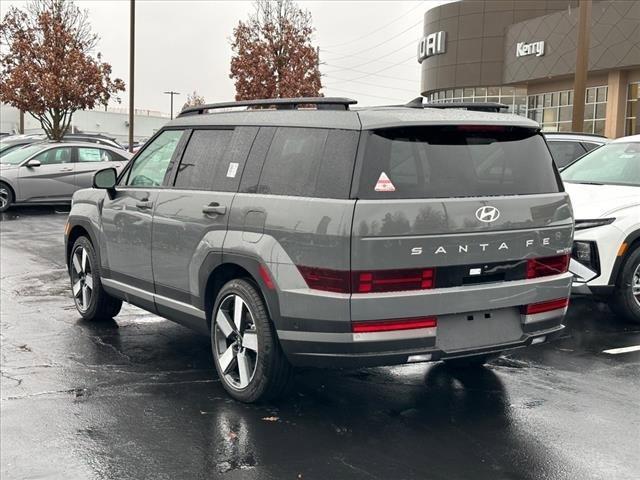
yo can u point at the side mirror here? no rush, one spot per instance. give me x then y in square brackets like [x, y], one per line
[105, 179]
[33, 163]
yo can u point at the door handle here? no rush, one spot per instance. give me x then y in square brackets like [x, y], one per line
[214, 208]
[144, 205]
[67, 169]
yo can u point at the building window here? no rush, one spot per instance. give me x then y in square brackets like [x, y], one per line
[554, 110]
[514, 97]
[633, 95]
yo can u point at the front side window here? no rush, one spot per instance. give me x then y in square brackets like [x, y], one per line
[612, 164]
[93, 155]
[55, 156]
[456, 161]
[150, 167]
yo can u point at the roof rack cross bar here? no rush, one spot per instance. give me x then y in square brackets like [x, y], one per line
[322, 103]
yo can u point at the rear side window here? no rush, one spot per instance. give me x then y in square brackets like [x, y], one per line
[564, 153]
[310, 162]
[202, 158]
[455, 161]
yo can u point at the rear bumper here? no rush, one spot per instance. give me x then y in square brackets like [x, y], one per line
[346, 350]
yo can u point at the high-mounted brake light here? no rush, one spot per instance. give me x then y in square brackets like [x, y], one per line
[481, 128]
[542, 267]
[545, 306]
[390, 325]
[373, 281]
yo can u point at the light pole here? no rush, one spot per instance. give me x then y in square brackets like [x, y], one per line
[132, 63]
[172, 93]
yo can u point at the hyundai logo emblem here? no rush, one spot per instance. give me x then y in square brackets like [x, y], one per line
[487, 214]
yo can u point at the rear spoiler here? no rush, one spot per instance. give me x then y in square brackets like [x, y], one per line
[493, 107]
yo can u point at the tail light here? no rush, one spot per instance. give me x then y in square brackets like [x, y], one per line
[545, 306]
[390, 325]
[393, 280]
[325, 279]
[542, 267]
[340, 281]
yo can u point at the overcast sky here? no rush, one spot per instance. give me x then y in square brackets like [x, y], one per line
[367, 48]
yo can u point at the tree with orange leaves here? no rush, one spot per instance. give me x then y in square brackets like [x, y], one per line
[46, 66]
[273, 54]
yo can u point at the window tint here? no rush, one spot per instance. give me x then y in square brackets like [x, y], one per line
[202, 158]
[151, 165]
[94, 155]
[564, 153]
[309, 162]
[55, 156]
[438, 162]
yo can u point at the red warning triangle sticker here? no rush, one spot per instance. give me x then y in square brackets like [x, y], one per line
[384, 184]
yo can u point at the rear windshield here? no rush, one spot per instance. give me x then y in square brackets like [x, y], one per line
[455, 161]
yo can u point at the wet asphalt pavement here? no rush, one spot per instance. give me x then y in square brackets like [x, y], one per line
[138, 398]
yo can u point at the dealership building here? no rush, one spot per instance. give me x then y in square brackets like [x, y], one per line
[523, 53]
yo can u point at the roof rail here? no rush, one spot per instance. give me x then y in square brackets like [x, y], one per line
[322, 103]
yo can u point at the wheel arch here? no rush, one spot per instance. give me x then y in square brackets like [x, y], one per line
[633, 242]
[231, 267]
[77, 230]
[11, 187]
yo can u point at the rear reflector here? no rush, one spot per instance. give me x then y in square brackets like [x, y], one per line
[542, 267]
[389, 325]
[266, 278]
[545, 306]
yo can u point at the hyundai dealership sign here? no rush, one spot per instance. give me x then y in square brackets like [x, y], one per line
[432, 44]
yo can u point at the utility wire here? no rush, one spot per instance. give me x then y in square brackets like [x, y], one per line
[378, 44]
[338, 69]
[345, 80]
[351, 92]
[377, 29]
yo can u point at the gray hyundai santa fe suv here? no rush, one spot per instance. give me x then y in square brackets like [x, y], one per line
[303, 232]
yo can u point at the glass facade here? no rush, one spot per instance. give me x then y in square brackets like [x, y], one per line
[554, 110]
[631, 118]
[514, 97]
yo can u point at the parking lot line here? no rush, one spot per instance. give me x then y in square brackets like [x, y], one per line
[616, 351]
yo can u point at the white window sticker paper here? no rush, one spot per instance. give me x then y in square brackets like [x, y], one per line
[384, 184]
[232, 170]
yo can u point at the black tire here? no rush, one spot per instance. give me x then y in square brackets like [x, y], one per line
[623, 301]
[6, 197]
[100, 305]
[272, 375]
[465, 363]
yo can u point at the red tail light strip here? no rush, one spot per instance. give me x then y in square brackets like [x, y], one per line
[542, 267]
[548, 306]
[389, 325]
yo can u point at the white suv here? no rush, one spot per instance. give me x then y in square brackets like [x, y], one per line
[604, 186]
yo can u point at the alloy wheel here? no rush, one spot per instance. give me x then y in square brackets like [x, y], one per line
[635, 284]
[81, 278]
[4, 197]
[236, 341]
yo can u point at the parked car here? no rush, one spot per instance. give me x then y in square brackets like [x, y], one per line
[12, 142]
[49, 173]
[604, 186]
[331, 236]
[568, 147]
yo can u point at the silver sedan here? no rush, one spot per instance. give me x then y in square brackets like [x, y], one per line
[49, 173]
